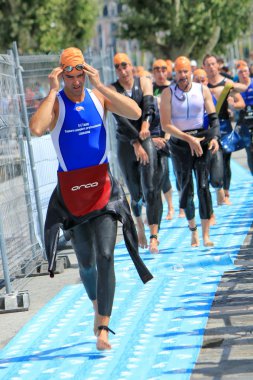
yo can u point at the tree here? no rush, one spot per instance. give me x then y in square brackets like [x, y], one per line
[170, 28]
[46, 26]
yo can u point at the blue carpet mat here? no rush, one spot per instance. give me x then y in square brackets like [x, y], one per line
[159, 326]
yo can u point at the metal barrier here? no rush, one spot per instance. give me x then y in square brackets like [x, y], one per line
[28, 168]
[18, 244]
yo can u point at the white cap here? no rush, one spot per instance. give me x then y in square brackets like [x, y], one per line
[194, 63]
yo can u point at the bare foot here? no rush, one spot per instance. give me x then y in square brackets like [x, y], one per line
[212, 220]
[208, 243]
[195, 239]
[220, 196]
[170, 214]
[142, 239]
[153, 245]
[181, 213]
[227, 201]
[102, 340]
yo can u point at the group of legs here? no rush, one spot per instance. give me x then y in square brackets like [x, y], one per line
[97, 237]
[144, 185]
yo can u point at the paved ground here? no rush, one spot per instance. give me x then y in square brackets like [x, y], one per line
[228, 342]
[227, 349]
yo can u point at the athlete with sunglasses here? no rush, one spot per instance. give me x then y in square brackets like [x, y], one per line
[160, 82]
[217, 84]
[136, 151]
[182, 115]
[88, 202]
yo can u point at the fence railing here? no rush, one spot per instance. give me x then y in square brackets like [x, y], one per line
[28, 164]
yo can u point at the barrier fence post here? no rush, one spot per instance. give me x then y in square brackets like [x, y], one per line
[7, 281]
[29, 145]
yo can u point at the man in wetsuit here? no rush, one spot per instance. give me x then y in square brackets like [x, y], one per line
[137, 155]
[182, 115]
[160, 140]
[87, 201]
[215, 160]
[217, 83]
[246, 115]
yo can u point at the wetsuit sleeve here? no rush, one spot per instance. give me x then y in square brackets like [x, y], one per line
[214, 123]
[148, 111]
[130, 132]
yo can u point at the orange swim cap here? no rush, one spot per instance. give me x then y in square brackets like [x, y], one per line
[200, 73]
[121, 57]
[169, 65]
[241, 65]
[140, 71]
[159, 63]
[182, 63]
[71, 57]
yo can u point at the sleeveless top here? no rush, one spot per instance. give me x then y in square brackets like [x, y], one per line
[79, 137]
[136, 95]
[223, 114]
[248, 95]
[187, 108]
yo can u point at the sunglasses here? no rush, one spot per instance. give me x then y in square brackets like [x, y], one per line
[123, 65]
[68, 69]
[162, 68]
[199, 80]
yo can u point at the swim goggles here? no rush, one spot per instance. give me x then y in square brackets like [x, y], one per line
[68, 69]
[123, 65]
[160, 68]
[179, 94]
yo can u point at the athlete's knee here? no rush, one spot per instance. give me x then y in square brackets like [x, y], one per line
[150, 197]
[136, 207]
[106, 254]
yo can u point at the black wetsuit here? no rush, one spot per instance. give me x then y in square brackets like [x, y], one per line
[156, 131]
[184, 162]
[141, 180]
[88, 202]
[219, 168]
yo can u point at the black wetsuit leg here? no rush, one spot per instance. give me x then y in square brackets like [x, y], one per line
[150, 183]
[227, 170]
[130, 169]
[226, 128]
[94, 243]
[201, 172]
[183, 161]
[161, 159]
[249, 151]
[166, 185]
[216, 169]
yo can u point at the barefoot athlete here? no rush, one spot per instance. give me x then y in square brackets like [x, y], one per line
[160, 139]
[215, 159]
[246, 115]
[87, 200]
[182, 115]
[225, 92]
[136, 151]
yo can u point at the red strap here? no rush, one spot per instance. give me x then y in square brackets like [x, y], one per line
[85, 190]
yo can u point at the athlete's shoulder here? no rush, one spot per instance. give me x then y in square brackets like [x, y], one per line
[98, 96]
